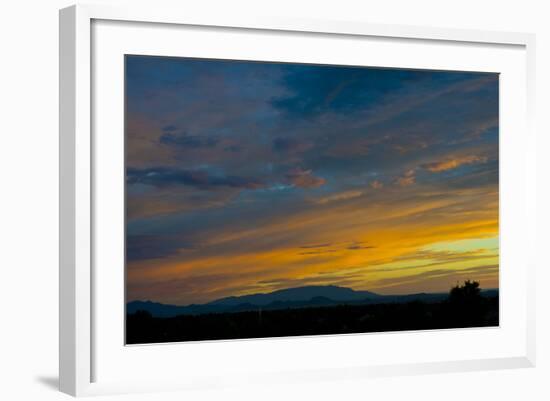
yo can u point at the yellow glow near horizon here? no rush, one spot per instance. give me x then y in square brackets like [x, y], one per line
[399, 249]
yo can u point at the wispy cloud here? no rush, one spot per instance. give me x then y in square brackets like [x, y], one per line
[246, 177]
[165, 176]
[313, 246]
[304, 178]
[408, 178]
[341, 196]
[376, 184]
[184, 140]
[452, 163]
[291, 145]
[357, 246]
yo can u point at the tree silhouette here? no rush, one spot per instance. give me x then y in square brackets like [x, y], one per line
[466, 304]
[467, 293]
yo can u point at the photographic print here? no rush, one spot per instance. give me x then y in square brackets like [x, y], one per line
[268, 199]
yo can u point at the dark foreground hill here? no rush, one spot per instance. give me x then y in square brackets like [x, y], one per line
[318, 315]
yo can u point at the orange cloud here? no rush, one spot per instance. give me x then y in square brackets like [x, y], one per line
[239, 260]
[342, 196]
[449, 164]
[304, 178]
[376, 184]
[408, 178]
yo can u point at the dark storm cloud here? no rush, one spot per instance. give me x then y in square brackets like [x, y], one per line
[166, 176]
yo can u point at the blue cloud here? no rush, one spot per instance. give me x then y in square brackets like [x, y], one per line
[290, 145]
[317, 89]
[166, 176]
[184, 140]
[144, 247]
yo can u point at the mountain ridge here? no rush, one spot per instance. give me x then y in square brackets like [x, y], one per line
[296, 297]
[304, 293]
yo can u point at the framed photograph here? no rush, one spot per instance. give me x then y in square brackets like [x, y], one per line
[267, 200]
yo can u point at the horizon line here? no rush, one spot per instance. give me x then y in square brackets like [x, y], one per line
[305, 286]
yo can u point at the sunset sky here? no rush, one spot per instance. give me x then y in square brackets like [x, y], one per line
[247, 177]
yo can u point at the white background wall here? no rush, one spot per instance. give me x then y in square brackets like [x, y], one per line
[29, 185]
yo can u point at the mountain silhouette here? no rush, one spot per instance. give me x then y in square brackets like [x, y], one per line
[298, 297]
[307, 293]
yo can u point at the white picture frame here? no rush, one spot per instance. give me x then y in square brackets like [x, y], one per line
[78, 158]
